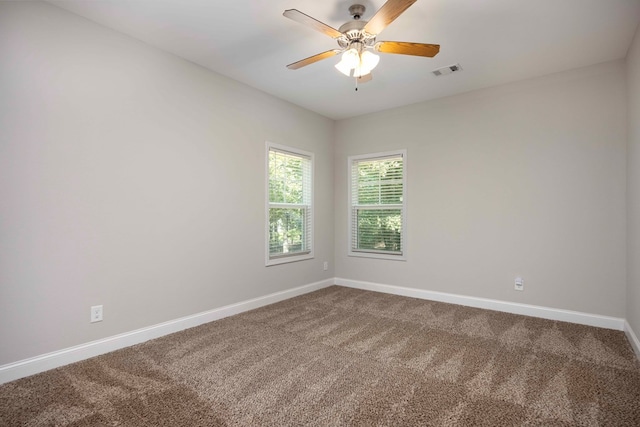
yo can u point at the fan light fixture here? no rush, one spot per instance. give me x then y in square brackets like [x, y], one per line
[356, 63]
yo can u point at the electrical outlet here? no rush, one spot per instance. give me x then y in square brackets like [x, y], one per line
[96, 313]
[326, 266]
[519, 286]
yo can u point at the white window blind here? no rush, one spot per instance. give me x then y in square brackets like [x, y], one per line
[289, 204]
[377, 205]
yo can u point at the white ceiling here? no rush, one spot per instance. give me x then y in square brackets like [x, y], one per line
[495, 42]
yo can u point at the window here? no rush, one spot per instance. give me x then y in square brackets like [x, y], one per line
[289, 204]
[377, 205]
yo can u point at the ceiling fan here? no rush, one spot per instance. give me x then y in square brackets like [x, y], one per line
[357, 39]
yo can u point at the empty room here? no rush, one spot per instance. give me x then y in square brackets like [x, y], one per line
[336, 213]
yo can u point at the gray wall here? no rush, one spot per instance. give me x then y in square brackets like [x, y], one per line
[633, 186]
[133, 179]
[526, 179]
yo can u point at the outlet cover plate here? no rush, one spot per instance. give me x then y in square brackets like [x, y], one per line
[96, 313]
[519, 285]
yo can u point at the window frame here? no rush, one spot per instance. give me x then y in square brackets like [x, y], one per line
[309, 227]
[365, 253]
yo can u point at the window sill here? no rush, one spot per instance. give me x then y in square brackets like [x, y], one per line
[377, 255]
[288, 259]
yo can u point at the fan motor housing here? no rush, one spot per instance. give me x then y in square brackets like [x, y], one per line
[352, 32]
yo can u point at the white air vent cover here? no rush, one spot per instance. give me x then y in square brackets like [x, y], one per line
[447, 70]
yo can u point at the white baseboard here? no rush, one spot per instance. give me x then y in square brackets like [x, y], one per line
[34, 365]
[633, 338]
[490, 304]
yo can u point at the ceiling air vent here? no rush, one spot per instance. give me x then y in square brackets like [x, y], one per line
[447, 70]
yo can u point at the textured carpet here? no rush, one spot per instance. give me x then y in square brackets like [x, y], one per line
[342, 356]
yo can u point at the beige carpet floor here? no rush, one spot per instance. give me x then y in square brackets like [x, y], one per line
[342, 356]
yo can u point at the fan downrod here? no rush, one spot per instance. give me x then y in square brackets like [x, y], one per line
[356, 11]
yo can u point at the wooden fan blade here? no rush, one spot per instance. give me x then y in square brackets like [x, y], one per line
[301, 18]
[386, 15]
[365, 78]
[312, 59]
[408, 48]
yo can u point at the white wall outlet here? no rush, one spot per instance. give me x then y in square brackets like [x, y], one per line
[325, 266]
[519, 286]
[96, 313]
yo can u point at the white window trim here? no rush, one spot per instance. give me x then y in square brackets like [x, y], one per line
[364, 253]
[288, 258]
